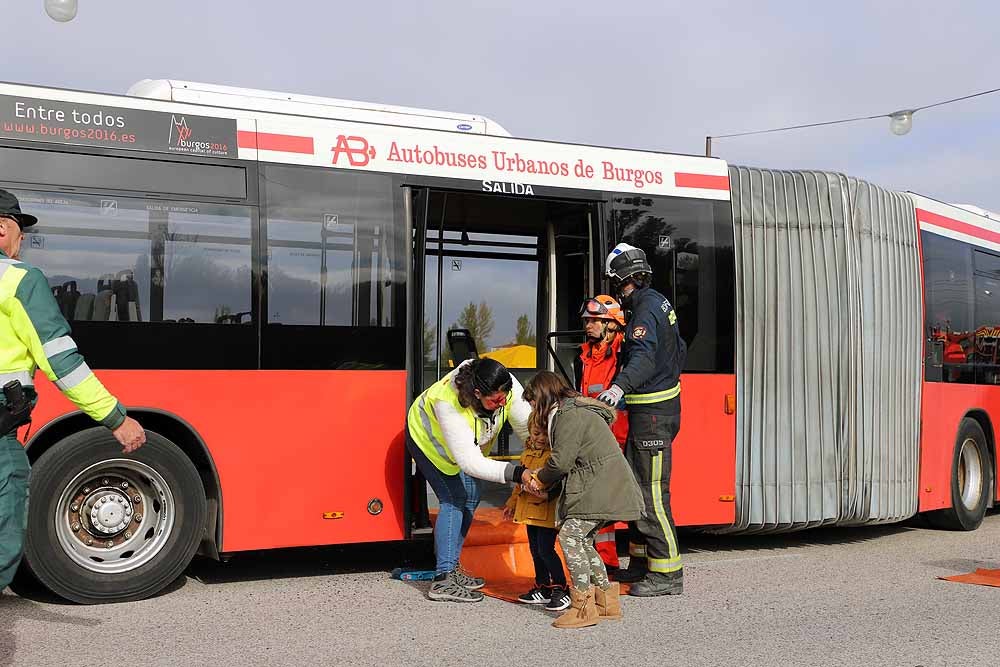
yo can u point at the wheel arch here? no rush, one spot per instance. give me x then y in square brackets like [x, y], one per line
[169, 425]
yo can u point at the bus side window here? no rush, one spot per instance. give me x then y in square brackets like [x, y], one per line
[689, 244]
[132, 274]
[948, 301]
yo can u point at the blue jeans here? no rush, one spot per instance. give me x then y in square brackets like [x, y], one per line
[459, 496]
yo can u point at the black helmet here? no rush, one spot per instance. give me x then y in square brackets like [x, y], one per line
[625, 261]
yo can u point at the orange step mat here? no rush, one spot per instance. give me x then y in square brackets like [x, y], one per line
[497, 551]
[980, 576]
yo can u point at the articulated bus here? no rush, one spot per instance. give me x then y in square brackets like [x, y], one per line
[266, 280]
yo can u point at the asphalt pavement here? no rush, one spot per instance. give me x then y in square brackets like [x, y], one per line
[849, 596]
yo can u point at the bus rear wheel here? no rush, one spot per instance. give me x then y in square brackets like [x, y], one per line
[109, 527]
[971, 481]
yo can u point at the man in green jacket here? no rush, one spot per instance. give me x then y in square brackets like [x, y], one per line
[34, 334]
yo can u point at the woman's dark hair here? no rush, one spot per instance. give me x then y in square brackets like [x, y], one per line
[485, 375]
[546, 389]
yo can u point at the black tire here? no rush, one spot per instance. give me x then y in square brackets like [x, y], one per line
[971, 481]
[167, 549]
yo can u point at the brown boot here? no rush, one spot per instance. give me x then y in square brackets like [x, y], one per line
[582, 611]
[608, 602]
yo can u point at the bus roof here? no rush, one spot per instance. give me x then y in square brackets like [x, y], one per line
[961, 222]
[979, 210]
[308, 105]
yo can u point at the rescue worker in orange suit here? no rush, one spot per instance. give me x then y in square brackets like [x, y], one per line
[604, 323]
[648, 380]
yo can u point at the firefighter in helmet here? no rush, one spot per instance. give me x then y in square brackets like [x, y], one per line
[604, 322]
[653, 355]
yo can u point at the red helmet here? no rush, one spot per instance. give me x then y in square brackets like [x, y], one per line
[602, 307]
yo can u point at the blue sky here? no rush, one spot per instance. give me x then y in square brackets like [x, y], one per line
[646, 74]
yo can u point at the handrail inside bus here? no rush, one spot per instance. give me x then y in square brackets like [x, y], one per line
[548, 345]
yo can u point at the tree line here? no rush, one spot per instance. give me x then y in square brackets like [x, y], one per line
[479, 320]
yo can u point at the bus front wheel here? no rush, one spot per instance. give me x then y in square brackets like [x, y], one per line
[108, 527]
[971, 481]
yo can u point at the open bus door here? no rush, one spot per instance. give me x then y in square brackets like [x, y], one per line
[505, 269]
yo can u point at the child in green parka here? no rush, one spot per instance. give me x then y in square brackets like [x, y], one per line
[598, 488]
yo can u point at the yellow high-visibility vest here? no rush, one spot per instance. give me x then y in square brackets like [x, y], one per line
[426, 432]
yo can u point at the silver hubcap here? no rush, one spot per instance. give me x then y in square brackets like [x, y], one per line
[114, 516]
[970, 474]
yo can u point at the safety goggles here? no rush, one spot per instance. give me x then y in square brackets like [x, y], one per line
[594, 308]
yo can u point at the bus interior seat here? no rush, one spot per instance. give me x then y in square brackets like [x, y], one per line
[67, 296]
[117, 299]
[84, 307]
[234, 318]
[58, 291]
[462, 345]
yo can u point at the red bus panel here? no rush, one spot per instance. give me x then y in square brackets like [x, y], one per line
[943, 407]
[703, 481]
[288, 446]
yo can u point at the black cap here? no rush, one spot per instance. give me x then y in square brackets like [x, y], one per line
[9, 208]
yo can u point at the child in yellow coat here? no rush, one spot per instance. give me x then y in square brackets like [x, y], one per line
[539, 517]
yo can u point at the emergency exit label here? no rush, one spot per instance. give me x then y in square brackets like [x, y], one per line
[456, 265]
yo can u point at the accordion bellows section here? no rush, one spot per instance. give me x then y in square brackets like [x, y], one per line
[829, 351]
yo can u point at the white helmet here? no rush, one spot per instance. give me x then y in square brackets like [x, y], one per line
[624, 261]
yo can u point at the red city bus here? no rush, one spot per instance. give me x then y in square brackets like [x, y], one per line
[266, 280]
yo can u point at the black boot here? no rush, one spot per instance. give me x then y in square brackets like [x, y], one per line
[656, 583]
[635, 571]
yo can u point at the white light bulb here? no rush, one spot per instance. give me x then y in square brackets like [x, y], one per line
[61, 10]
[900, 122]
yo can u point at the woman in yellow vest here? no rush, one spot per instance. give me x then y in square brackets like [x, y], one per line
[452, 426]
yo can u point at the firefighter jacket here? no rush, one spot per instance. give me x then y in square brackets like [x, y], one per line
[34, 334]
[598, 366]
[653, 355]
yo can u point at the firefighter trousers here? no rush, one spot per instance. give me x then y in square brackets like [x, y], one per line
[648, 450]
[606, 546]
[14, 472]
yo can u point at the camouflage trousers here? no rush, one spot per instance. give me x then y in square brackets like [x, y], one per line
[576, 536]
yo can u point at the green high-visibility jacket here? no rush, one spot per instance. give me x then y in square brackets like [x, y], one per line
[34, 334]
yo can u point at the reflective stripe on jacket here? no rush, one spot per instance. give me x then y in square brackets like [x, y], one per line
[34, 334]
[424, 428]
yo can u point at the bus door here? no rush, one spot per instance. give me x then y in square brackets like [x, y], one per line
[507, 269]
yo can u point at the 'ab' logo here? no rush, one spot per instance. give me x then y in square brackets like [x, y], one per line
[357, 150]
